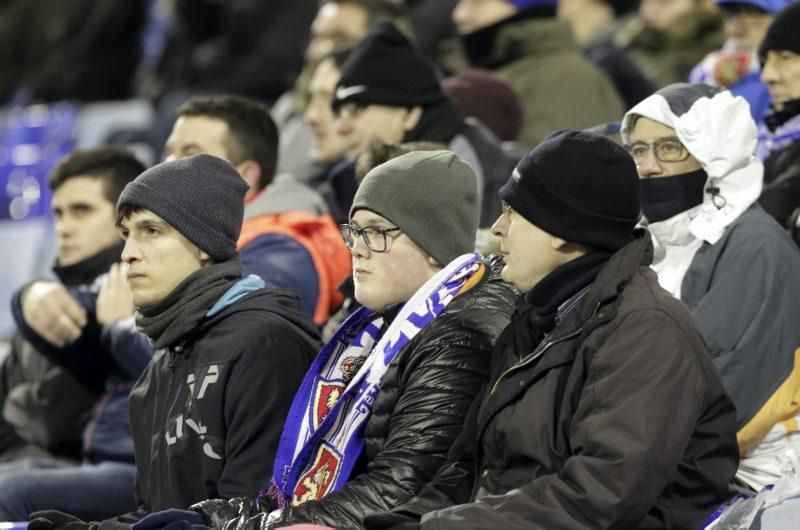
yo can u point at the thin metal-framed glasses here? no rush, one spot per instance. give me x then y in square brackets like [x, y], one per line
[376, 239]
[668, 149]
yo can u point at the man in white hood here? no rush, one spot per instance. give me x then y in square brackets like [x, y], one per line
[724, 257]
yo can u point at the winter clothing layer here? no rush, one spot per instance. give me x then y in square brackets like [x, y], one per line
[438, 186]
[558, 87]
[290, 241]
[560, 187]
[734, 267]
[417, 414]
[181, 193]
[616, 419]
[203, 413]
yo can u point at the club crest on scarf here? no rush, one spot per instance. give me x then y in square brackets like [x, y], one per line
[316, 482]
[323, 434]
[325, 398]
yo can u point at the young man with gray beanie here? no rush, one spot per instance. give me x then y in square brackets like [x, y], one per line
[378, 411]
[207, 411]
[604, 409]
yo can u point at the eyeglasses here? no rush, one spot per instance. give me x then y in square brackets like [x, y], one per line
[375, 238]
[668, 149]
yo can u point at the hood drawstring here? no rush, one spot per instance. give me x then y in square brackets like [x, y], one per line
[716, 199]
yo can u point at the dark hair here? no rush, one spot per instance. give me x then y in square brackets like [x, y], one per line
[253, 134]
[125, 211]
[114, 166]
[379, 152]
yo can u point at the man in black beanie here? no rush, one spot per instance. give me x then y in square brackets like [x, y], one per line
[389, 90]
[779, 145]
[604, 410]
[230, 352]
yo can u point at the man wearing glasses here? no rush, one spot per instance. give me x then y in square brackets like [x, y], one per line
[388, 394]
[721, 254]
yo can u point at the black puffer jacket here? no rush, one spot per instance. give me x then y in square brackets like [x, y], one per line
[417, 415]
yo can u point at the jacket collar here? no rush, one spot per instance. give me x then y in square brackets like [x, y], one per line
[532, 37]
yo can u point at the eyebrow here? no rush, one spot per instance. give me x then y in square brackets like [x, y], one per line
[144, 223]
[372, 221]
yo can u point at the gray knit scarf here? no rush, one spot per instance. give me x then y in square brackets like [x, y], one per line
[177, 315]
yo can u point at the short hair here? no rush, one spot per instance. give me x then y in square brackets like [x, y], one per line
[125, 211]
[114, 166]
[379, 152]
[375, 9]
[253, 134]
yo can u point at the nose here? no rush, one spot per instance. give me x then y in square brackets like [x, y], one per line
[360, 248]
[313, 111]
[131, 252]
[648, 165]
[342, 125]
[500, 227]
[769, 73]
[63, 227]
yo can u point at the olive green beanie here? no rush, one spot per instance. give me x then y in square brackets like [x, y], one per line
[431, 195]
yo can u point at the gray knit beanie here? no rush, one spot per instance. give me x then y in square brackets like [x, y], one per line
[432, 196]
[201, 196]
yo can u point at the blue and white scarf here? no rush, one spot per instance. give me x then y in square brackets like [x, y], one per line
[779, 139]
[323, 435]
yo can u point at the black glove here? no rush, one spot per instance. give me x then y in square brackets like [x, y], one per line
[53, 519]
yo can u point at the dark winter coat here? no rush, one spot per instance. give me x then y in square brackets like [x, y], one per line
[207, 414]
[617, 419]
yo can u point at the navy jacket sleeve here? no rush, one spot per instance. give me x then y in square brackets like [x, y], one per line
[283, 262]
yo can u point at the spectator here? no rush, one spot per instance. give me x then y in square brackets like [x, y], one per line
[724, 257]
[74, 356]
[779, 146]
[669, 37]
[525, 44]
[593, 25]
[388, 90]
[603, 410]
[736, 66]
[287, 238]
[230, 352]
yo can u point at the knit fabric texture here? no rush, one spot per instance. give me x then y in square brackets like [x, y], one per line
[578, 186]
[201, 196]
[432, 196]
[782, 33]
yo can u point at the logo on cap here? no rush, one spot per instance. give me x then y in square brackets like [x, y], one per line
[515, 175]
[345, 92]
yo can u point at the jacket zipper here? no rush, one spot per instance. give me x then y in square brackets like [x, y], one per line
[535, 356]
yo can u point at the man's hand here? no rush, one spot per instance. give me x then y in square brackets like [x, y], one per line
[114, 300]
[52, 313]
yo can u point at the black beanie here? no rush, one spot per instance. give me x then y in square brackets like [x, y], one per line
[201, 196]
[783, 33]
[385, 68]
[578, 186]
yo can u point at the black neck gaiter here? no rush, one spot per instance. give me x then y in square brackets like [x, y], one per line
[665, 197]
[88, 270]
[180, 312]
[778, 118]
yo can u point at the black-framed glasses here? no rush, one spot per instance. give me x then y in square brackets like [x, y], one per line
[375, 238]
[668, 149]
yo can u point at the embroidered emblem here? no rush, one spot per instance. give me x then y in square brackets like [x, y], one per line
[327, 395]
[315, 483]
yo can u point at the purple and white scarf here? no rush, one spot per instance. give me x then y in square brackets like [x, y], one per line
[323, 434]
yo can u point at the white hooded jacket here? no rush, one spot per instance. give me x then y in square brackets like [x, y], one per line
[719, 132]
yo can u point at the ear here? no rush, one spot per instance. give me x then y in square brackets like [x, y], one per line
[251, 172]
[412, 118]
[205, 259]
[556, 243]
